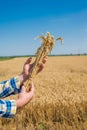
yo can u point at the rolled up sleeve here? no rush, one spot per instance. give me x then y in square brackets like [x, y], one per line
[7, 108]
[10, 87]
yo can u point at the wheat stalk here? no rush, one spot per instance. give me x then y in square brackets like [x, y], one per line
[45, 48]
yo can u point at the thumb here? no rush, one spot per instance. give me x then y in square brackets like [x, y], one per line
[23, 89]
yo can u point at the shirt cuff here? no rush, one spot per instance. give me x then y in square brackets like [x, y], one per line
[15, 83]
[9, 108]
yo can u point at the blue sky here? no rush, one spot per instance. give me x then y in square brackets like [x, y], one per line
[22, 20]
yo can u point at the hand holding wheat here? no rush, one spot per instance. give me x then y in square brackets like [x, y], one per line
[46, 48]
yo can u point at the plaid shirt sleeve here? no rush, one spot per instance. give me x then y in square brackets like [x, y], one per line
[7, 88]
[10, 87]
[7, 108]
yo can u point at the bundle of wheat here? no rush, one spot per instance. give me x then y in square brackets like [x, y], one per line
[46, 48]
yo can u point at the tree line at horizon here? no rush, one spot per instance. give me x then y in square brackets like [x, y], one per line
[10, 57]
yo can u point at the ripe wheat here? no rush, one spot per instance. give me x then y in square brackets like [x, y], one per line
[46, 48]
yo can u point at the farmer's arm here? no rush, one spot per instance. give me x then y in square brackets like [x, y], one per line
[13, 86]
[8, 108]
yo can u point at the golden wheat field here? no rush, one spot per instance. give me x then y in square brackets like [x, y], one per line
[60, 100]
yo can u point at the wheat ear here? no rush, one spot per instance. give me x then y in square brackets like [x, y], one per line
[45, 48]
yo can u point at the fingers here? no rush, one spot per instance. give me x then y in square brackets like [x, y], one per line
[23, 89]
[25, 97]
[44, 59]
[28, 61]
[41, 66]
[31, 87]
[31, 92]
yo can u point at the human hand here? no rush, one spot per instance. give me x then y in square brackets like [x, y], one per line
[27, 68]
[24, 97]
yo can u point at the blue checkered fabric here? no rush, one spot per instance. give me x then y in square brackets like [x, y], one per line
[7, 88]
[7, 108]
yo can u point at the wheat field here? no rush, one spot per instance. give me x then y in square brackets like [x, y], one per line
[60, 99]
